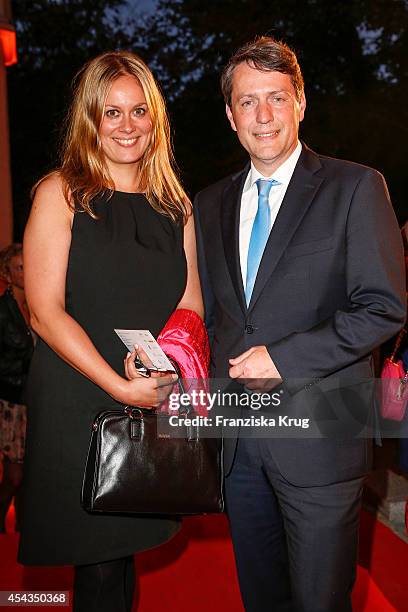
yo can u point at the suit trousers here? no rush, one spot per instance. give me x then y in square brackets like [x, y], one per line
[295, 547]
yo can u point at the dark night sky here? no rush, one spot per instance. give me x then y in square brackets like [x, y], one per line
[374, 112]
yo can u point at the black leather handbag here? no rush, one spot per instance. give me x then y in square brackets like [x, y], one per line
[132, 467]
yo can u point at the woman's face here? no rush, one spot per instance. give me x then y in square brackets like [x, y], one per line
[15, 271]
[126, 127]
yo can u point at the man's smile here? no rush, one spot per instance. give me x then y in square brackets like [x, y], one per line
[266, 134]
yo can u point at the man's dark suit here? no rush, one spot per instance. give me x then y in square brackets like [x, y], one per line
[329, 289]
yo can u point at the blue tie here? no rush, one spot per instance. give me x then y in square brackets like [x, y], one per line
[259, 234]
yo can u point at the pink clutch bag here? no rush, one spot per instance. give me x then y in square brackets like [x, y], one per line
[394, 386]
[184, 339]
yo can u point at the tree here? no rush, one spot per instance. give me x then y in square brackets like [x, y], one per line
[55, 38]
[352, 55]
[354, 63]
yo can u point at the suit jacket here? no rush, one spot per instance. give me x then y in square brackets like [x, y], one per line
[330, 288]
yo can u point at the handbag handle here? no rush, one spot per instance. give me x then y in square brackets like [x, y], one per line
[398, 343]
[137, 424]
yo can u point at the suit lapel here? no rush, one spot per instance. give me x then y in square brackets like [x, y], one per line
[230, 214]
[298, 197]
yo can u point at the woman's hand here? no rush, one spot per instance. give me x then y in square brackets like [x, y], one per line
[147, 392]
[131, 371]
[144, 391]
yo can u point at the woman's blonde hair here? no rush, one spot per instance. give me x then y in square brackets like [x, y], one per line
[83, 170]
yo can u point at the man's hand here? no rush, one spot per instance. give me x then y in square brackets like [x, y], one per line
[255, 369]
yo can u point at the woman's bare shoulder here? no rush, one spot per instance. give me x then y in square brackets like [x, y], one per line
[51, 185]
[50, 194]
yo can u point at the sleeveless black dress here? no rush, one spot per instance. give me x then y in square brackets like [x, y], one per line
[126, 269]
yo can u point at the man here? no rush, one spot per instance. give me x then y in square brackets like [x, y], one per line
[301, 259]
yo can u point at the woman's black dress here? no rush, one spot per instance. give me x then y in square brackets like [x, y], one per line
[127, 270]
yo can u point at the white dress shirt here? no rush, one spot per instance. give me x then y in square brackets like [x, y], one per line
[249, 201]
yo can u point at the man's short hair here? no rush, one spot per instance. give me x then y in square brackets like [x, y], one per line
[266, 54]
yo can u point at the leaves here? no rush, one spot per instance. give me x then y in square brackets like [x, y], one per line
[352, 56]
[353, 61]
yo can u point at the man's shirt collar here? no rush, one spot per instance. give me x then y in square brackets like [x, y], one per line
[283, 174]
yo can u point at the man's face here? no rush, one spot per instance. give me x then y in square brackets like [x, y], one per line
[265, 114]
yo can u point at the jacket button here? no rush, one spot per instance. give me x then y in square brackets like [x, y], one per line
[249, 329]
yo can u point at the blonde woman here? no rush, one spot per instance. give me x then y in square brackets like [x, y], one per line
[109, 244]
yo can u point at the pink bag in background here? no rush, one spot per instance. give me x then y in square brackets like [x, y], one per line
[394, 386]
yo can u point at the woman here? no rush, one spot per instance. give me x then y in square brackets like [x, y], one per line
[109, 244]
[16, 347]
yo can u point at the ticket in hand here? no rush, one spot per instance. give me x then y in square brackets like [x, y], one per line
[144, 339]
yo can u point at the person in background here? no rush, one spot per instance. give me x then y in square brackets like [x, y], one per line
[110, 243]
[16, 347]
[3, 284]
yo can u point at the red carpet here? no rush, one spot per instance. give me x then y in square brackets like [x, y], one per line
[195, 571]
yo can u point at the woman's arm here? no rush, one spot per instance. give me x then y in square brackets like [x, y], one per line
[46, 248]
[192, 298]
